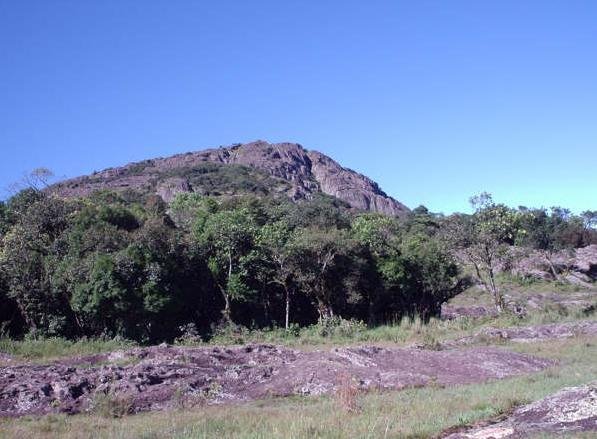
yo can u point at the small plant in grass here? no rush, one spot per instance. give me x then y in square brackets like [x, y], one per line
[108, 405]
[189, 335]
[229, 333]
[347, 393]
[431, 343]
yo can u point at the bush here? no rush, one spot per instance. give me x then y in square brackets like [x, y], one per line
[189, 335]
[339, 327]
[347, 393]
[107, 405]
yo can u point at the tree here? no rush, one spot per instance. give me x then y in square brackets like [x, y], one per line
[483, 239]
[589, 218]
[189, 208]
[37, 180]
[550, 232]
[431, 275]
[379, 234]
[103, 301]
[28, 257]
[227, 236]
[324, 266]
[277, 244]
[5, 220]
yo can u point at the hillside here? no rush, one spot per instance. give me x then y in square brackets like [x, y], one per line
[258, 167]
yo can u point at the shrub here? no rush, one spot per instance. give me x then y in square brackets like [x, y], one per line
[347, 393]
[339, 327]
[111, 406]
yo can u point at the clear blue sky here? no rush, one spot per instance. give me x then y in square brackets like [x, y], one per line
[436, 100]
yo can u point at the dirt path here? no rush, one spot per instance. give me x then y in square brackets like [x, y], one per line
[572, 409]
[160, 377]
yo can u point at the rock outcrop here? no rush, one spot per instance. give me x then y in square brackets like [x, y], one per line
[528, 334]
[162, 377]
[572, 410]
[303, 172]
[577, 266]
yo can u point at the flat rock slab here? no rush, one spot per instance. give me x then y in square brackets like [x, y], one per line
[517, 302]
[161, 377]
[573, 409]
[527, 334]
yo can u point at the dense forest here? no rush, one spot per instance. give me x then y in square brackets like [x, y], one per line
[132, 266]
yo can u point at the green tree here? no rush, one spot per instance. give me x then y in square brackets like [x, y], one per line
[228, 236]
[325, 269]
[103, 301]
[277, 245]
[5, 220]
[483, 239]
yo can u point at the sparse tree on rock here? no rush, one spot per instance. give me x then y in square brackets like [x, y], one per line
[483, 239]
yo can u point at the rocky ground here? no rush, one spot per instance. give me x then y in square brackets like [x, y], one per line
[526, 334]
[162, 377]
[480, 305]
[572, 409]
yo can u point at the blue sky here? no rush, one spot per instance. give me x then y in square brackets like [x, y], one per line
[435, 100]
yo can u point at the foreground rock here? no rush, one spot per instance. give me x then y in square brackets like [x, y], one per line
[526, 334]
[162, 377]
[571, 410]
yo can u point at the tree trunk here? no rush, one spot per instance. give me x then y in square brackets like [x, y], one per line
[498, 298]
[325, 311]
[226, 312]
[287, 317]
[552, 268]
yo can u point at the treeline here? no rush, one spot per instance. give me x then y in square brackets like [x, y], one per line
[112, 265]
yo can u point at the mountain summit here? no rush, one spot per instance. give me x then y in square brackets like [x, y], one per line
[259, 166]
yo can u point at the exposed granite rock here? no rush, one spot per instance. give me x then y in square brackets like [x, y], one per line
[521, 303]
[171, 187]
[528, 334]
[573, 409]
[307, 172]
[162, 377]
[577, 266]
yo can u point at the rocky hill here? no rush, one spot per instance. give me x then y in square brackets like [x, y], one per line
[259, 167]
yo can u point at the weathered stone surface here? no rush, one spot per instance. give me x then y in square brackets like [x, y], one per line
[171, 187]
[572, 302]
[573, 409]
[577, 266]
[162, 377]
[307, 172]
[451, 312]
[526, 334]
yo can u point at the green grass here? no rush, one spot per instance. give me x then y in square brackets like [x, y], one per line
[405, 332]
[412, 413]
[45, 349]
